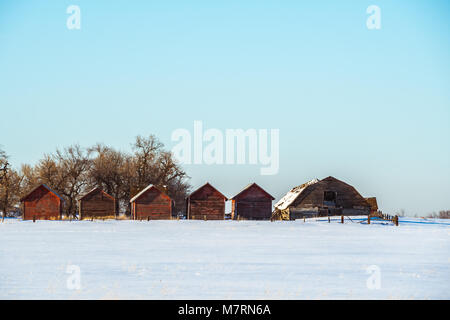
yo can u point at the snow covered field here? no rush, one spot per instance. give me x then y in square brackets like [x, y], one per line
[224, 260]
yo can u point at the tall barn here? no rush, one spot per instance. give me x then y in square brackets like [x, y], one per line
[328, 196]
[97, 204]
[42, 203]
[252, 203]
[151, 203]
[206, 203]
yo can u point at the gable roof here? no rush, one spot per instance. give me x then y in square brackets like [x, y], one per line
[46, 187]
[203, 186]
[253, 185]
[330, 178]
[150, 186]
[290, 197]
[95, 190]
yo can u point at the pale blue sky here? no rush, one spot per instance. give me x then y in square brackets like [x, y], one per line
[370, 107]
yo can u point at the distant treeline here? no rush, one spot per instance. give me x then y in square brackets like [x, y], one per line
[74, 170]
[440, 215]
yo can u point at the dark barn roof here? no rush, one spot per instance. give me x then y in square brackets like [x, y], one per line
[94, 190]
[203, 186]
[143, 191]
[297, 195]
[24, 198]
[250, 186]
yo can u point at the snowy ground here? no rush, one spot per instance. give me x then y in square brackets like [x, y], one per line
[224, 260]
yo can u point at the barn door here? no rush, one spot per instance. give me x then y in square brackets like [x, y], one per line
[329, 198]
[245, 209]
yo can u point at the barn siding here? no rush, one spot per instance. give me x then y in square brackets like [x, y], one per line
[206, 203]
[153, 205]
[252, 204]
[97, 204]
[42, 204]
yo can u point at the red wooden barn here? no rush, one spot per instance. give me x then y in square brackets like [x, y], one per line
[97, 203]
[206, 203]
[151, 203]
[252, 203]
[42, 203]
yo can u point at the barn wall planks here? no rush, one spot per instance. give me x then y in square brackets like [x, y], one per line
[153, 204]
[96, 204]
[42, 203]
[206, 203]
[253, 203]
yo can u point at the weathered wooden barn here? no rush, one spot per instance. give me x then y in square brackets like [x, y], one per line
[252, 203]
[206, 203]
[42, 203]
[328, 196]
[151, 204]
[96, 204]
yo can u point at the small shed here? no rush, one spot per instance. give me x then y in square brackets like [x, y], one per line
[372, 201]
[42, 203]
[328, 196]
[97, 204]
[206, 203]
[151, 204]
[252, 203]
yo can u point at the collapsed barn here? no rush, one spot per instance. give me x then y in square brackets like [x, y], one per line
[325, 197]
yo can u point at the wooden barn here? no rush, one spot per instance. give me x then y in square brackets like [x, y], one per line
[252, 203]
[151, 204]
[329, 196]
[206, 203]
[96, 204]
[42, 203]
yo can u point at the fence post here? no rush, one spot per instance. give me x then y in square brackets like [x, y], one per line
[34, 218]
[368, 220]
[342, 219]
[396, 220]
[204, 217]
[329, 219]
[304, 219]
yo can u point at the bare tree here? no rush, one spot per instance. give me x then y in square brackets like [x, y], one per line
[156, 166]
[4, 182]
[71, 171]
[146, 151]
[10, 186]
[10, 190]
[74, 164]
[4, 164]
[111, 170]
[66, 172]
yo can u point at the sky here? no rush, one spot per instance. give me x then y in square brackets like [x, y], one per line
[369, 107]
